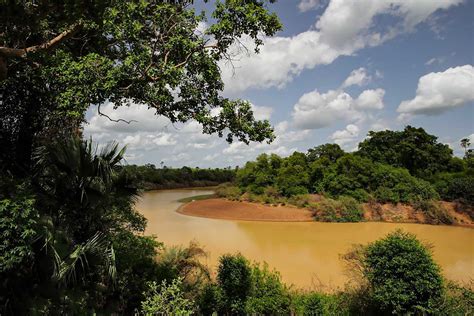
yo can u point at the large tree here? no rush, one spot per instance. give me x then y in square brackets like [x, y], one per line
[413, 148]
[57, 58]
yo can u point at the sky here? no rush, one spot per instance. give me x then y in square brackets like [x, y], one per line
[338, 69]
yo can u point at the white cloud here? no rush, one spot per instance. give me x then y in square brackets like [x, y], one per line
[370, 99]
[317, 110]
[306, 5]
[438, 60]
[262, 112]
[438, 92]
[345, 136]
[357, 77]
[345, 27]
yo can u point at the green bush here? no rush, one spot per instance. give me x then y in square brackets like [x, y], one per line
[385, 195]
[345, 209]
[209, 299]
[360, 195]
[234, 277]
[402, 274]
[271, 192]
[18, 224]
[314, 303]
[299, 200]
[168, 299]
[457, 300]
[434, 212]
[228, 191]
[269, 295]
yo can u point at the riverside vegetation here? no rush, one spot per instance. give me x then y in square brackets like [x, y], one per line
[71, 241]
[408, 167]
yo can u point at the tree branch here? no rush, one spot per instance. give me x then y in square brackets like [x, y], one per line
[113, 120]
[9, 52]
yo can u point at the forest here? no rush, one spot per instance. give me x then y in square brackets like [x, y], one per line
[71, 241]
[148, 177]
[409, 167]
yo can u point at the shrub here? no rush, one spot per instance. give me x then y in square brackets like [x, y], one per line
[434, 212]
[269, 295]
[402, 274]
[384, 195]
[415, 190]
[167, 300]
[300, 200]
[234, 277]
[314, 303]
[457, 300]
[461, 188]
[271, 192]
[18, 224]
[345, 209]
[360, 195]
[228, 191]
[209, 299]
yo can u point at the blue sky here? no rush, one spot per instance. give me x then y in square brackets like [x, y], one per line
[338, 69]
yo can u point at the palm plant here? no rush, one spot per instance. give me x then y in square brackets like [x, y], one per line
[185, 263]
[85, 194]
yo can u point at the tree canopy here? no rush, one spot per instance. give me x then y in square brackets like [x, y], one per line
[59, 58]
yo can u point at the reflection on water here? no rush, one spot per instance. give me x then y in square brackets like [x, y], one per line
[304, 253]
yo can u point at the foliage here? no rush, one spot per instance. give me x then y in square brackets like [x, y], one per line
[234, 277]
[149, 177]
[228, 191]
[106, 51]
[269, 295]
[434, 212]
[457, 300]
[402, 274]
[345, 209]
[18, 224]
[412, 148]
[184, 263]
[331, 152]
[168, 299]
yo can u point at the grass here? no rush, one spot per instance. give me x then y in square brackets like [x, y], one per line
[197, 198]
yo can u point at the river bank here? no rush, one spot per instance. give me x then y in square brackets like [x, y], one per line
[220, 208]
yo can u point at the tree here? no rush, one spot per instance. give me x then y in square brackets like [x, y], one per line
[58, 58]
[412, 148]
[402, 274]
[234, 277]
[329, 151]
[465, 143]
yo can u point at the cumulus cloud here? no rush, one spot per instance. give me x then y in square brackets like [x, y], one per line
[357, 77]
[370, 100]
[438, 92]
[317, 110]
[345, 136]
[345, 27]
[306, 5]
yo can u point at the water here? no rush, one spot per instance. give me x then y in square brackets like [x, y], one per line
[307, 254]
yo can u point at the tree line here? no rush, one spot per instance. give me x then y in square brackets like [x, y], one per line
[149, 177]
[408, 166]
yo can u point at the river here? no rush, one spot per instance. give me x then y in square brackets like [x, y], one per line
[306, 254]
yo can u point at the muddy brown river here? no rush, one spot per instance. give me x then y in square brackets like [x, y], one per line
[306, 254]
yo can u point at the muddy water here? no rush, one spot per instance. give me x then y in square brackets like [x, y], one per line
[306, 254]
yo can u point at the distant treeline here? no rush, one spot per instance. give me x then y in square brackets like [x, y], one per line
[149, 177]
[408, 166]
